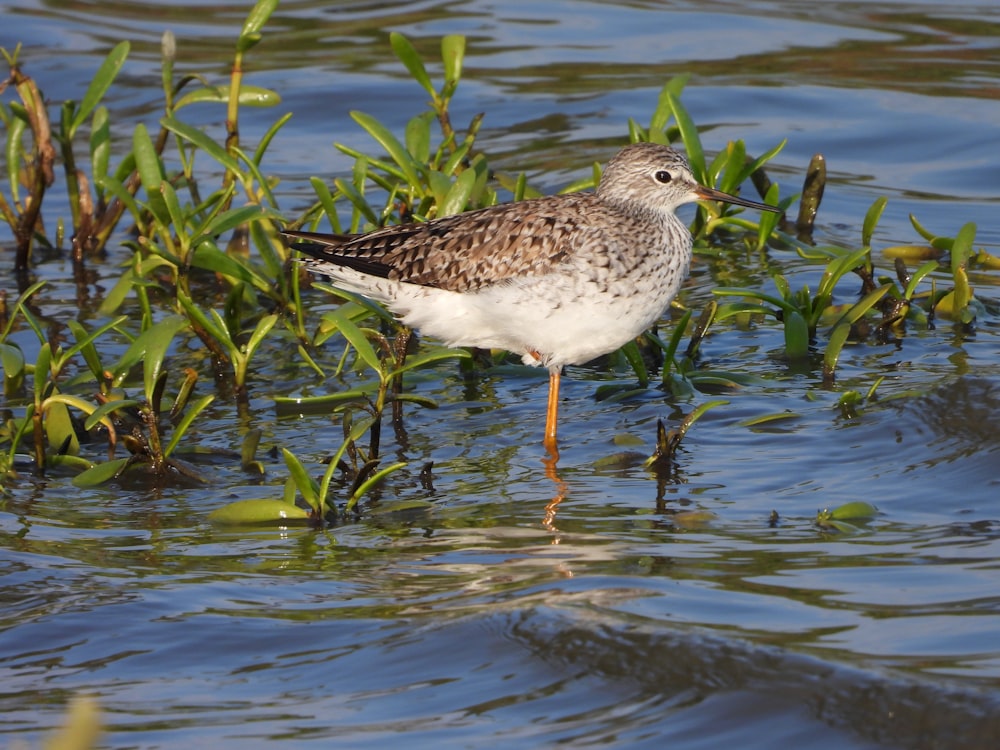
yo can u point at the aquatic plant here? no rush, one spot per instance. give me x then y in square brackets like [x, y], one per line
[206, 266]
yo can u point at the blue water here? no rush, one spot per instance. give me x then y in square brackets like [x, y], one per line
[646, 611]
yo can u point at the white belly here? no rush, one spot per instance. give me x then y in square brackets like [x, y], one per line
[563, 321]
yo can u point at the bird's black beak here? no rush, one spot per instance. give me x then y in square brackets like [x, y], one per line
[710, 194]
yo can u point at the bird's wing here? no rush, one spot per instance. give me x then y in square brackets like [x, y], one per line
[466, 251]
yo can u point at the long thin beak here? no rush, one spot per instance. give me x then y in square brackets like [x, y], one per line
[710, 194]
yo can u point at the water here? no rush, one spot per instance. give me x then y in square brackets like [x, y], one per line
[647, 611]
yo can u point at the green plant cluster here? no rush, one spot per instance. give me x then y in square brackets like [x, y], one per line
[188, 234]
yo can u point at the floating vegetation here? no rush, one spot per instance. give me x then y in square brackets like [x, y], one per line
[846, 518]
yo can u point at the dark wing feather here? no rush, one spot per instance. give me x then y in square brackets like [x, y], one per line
[327, 247]
[465, 251]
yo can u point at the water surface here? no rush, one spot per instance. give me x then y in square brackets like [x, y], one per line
[476, 615]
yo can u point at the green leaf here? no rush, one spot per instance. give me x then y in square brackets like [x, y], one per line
[768, 418]
[257, 512]
[854, 510]
[960, 297]
[837, 269]
[357, 339]
[43, 365]
[193, 410]
[357, 199]
[67, 399]
[440, 186]
[413, 398]
[637, 134]
[842, 328]
[263, 183]
[761, 160]
[135, 278]
[664, 110]
[631, 352]
[248, 450]
[214, 325]
[520, 187]
[59, 428]
[250, 33]
[176, 213]
[768, 220]
[674, 343]
[12, 362]
[21, 308]
[732, 159]
[168, 56]
[202, 141]
[100, 83]
[430, 355]
[66, 461]
[250, 96]
[114, 186]
[458, 196]
[229, 326]
[418, 137]
[785, 305]
[796, 335]
[100, 146]
[409, 56]
[147, 163]
[289, 493]
[23, 425]
[358, 428]
[107, 408]
[918, 276]
[327, 201]
[234, 218]
[101, 473]
[921, 230]
[85, 343]
[269, 248]
[453, 56]
[961, 248]
[15, 133]
[306, 485]
[393, 147]
[699, 412]
[209, 257]
[912, 253]
[150, 347]
[690, 137]
[155, 342]
[229, 220]
[269, 135]
[294, 405]
[364, 161]
[264, 326]
[457, 159]
[871, 220]
[373, 480]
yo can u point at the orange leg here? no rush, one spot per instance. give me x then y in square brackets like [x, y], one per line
[551, 424]
[552, 414]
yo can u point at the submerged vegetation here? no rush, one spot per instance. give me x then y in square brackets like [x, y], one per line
[208, 284]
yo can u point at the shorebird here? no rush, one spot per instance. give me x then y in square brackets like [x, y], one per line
[560, 280]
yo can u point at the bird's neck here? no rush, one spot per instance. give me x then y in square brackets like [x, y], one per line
[646, 214]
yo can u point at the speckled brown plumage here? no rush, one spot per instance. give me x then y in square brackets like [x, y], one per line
[464, 252]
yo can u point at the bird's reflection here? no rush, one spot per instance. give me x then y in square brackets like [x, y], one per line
[551, 462]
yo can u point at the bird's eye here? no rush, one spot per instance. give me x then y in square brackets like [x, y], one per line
[663, 176]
